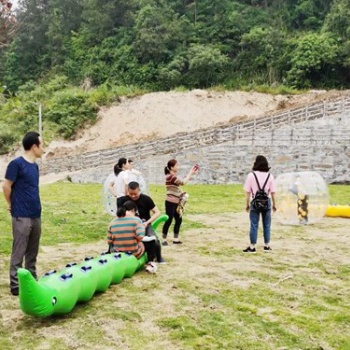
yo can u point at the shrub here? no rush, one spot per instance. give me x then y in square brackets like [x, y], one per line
[70, 109]
[7, 139]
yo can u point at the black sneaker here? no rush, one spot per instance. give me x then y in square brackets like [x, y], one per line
[165, 243]
[267, 249]
[249, 250]
[15, 291]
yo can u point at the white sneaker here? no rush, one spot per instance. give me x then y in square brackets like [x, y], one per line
[148, 238]
[151, 267]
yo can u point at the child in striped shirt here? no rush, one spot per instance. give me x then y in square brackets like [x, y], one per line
[126, 233]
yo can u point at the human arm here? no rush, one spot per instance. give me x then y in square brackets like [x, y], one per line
[139, 230]
[135, 172]
[109, 239]
[154, 216]
[111, 188]
[194, 170]
[273, 188]
[7, 190]
[247, 201]
[248, 191]
[274, 208]
[126, 183]
[126, 190]
[109, 236]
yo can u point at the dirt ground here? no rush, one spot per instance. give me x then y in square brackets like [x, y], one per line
[201, 260]
[231, 230]
[163, 114]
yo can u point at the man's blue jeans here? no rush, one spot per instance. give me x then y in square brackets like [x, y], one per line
[254, 217]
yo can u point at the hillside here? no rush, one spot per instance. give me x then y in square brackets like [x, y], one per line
[162, 114]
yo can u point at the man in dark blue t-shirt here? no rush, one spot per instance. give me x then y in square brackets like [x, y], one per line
[21, 191]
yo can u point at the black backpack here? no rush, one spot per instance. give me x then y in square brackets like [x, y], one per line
[261, 199]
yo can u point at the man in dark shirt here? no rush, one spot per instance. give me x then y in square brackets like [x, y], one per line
[21, 191]
[145, 206]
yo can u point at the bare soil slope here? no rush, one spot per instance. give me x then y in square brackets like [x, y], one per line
[162, 114]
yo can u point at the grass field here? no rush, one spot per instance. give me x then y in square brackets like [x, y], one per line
[209, 295]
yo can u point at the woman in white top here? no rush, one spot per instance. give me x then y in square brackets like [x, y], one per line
[119, 187]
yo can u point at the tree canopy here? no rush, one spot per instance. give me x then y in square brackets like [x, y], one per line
[161, 44]
[76, 55]
[8, 24]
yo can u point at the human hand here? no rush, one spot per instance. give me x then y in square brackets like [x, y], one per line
[145, 223]
[274, 208]
[195, 169]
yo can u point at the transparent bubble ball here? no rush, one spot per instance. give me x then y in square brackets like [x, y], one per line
[302, 198]
[108, 199]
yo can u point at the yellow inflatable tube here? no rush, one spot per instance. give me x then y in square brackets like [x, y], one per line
[342, 211]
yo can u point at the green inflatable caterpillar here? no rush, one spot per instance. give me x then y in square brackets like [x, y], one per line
[57, 293]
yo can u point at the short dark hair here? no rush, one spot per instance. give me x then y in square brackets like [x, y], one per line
[133, 185]
[261, 164]
[30, 139]
[128, 205]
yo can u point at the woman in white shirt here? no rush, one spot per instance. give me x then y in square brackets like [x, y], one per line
[119, 187]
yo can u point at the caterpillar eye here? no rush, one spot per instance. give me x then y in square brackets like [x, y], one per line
[54, 301]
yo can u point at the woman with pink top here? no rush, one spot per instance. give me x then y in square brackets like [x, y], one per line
[255, 181]
[173, 197]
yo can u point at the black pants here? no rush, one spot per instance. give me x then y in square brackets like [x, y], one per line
[170, 210]
[158, 250]
[150, 248]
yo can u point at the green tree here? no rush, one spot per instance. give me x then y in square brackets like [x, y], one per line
[337, 24]
[104, 18]
[312, 60]
[309, 14]
[158, 33]
[65, 18]
[172, 74]
[260, 53]
[106, 27]
[206, 65]
[27, 57]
